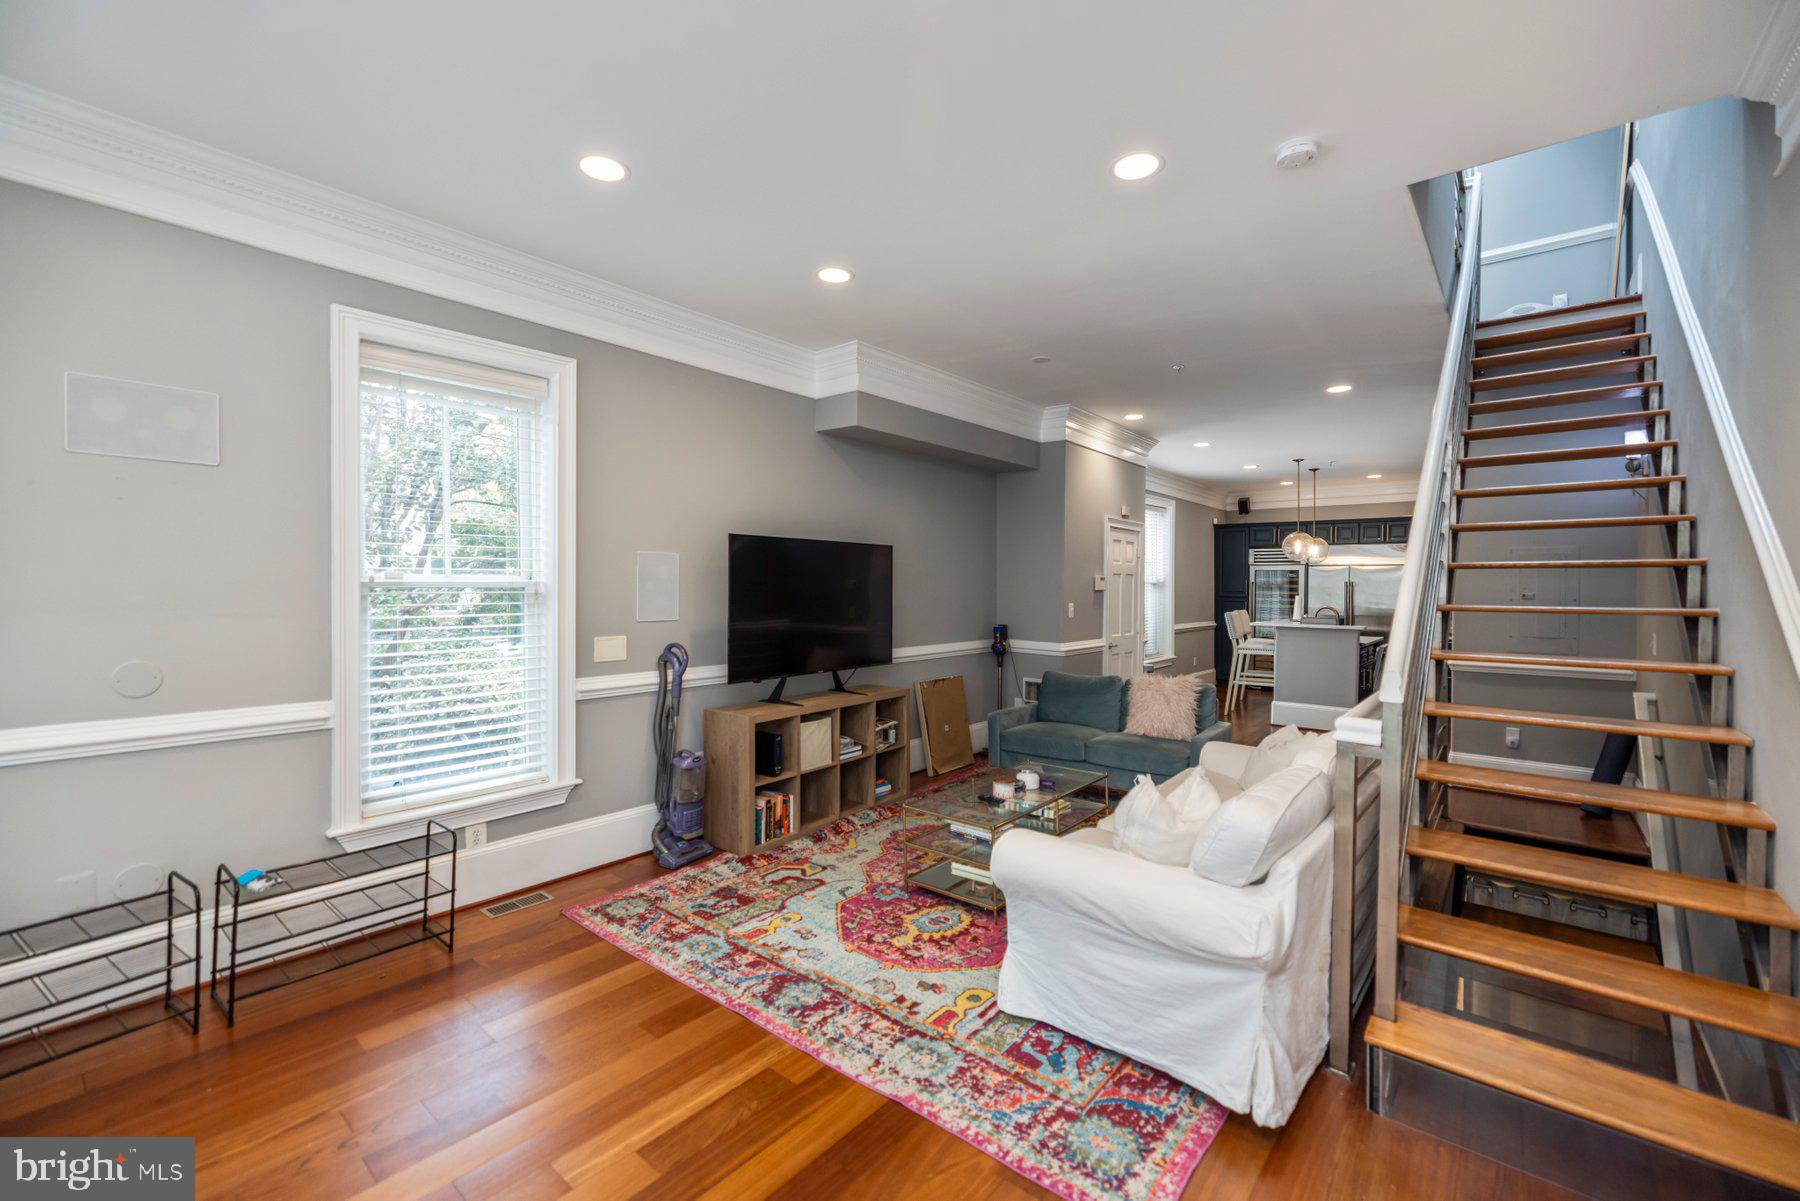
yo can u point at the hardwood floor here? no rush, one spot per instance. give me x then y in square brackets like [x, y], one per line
[543, 1062]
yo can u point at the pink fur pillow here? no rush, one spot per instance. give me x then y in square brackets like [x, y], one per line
[1163, 706]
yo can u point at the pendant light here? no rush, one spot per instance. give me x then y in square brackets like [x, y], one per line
[1316, 547]
[1294, 545]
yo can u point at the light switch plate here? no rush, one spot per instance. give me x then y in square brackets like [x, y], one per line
[1099, 583]
[609, 648]
[1071, 608]
[1560, 300]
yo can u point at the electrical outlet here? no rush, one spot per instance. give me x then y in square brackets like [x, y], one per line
[1194, 662]
[609, 648]
[1512, 738]
[1071, 608]
[1653, 644]
[474, 836]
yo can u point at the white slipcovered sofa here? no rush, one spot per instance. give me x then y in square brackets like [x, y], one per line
[1224, 987]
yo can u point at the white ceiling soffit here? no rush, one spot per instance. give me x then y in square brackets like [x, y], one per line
[1349, 492]
[1178, 487]
[1773, 76]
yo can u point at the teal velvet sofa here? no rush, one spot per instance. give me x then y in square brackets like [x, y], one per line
[1079, 721]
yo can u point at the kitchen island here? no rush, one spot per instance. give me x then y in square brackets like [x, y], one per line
[1321, 670]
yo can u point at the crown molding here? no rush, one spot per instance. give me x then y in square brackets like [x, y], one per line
[1069, 423]
[1362, 492]
[1179, 487]
[1773, 76]
[860, 367]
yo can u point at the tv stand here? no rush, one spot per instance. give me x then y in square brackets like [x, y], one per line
[774, 698]
[838, 685]
[821, 790]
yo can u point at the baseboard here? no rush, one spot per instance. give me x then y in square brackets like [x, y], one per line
[1562, 771]
[525, 860]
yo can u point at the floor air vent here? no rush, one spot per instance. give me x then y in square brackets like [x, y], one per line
[513, 904]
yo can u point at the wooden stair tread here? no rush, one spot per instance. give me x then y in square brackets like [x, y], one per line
[1568, 454]
[1562, 350]
[1555, 375]
[1499, 564]
[1500, 814]
[1569, 523]
[1604, 877]
[1684, 1120]
[1635, 298]
[1616, 485]
[1699, 998]
[1636, 389]
[1680, 732]
[1567, 329]
[1592, 792]
[1591, 611]
[1526, 429]
[1666, 667]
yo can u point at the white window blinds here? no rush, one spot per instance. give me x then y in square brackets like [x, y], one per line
[456, 662]
[1159, 623]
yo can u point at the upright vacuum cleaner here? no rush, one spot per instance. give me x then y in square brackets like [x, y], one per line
[680, 774]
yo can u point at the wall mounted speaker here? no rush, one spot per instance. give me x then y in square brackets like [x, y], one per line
[1243, 505]
[104, 416]
[658, 585]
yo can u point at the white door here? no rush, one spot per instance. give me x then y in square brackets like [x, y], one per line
[1123, 606]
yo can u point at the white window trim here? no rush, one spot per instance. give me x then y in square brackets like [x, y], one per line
[1167, 504]
[350, 826]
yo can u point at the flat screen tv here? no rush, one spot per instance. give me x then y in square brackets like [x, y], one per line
[801, 605]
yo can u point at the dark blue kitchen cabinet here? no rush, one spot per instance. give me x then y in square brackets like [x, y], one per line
[1263, 537]
[1398, 529]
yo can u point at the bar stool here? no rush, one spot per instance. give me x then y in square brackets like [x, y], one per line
[1245, 651]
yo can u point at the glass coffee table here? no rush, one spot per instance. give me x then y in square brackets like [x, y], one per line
[947, 838]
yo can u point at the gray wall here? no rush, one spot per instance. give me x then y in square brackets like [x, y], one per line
[1194, 583]
[221, 574]
[1554, 190]
[1435, 202]
[1736, 232]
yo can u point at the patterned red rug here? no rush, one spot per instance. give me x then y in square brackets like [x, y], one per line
[820, 943]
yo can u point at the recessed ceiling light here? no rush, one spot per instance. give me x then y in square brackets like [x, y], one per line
[1141, 165]
[1338, 389]
[602, 168]
[1130, 452]
[1249, 466]
[1134, 416]
[1376, 476]
[835, 275]
[1040, 358]
[1287, 483]
[1202, 445]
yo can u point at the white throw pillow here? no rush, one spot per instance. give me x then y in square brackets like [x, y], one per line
[1319, 753]
[1271, 755]
[1261, 824]
[1163, 828]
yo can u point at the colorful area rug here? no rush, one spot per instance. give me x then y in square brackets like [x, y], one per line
[819, 943]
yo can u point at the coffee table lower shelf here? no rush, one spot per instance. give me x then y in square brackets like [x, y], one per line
[937, 877]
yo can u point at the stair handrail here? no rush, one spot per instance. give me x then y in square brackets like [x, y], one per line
[1410, 676]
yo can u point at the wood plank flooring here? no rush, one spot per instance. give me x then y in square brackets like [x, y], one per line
[544, 1062]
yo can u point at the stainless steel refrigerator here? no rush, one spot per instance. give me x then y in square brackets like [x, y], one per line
[1361, 582]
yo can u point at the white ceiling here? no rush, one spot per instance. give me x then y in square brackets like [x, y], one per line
[956, 156]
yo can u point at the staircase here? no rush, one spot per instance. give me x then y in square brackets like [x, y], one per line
[1572, 372]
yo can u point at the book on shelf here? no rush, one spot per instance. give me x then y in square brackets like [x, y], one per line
[774, 814]
[974, 832]
[848, 747]
[970, 872]
[882, 787]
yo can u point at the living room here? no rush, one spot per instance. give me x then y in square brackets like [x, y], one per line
[855, 634]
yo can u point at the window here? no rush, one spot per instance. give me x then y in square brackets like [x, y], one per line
[454, 615]
[1159, 585]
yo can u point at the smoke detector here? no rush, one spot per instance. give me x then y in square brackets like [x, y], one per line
[1296, 152]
